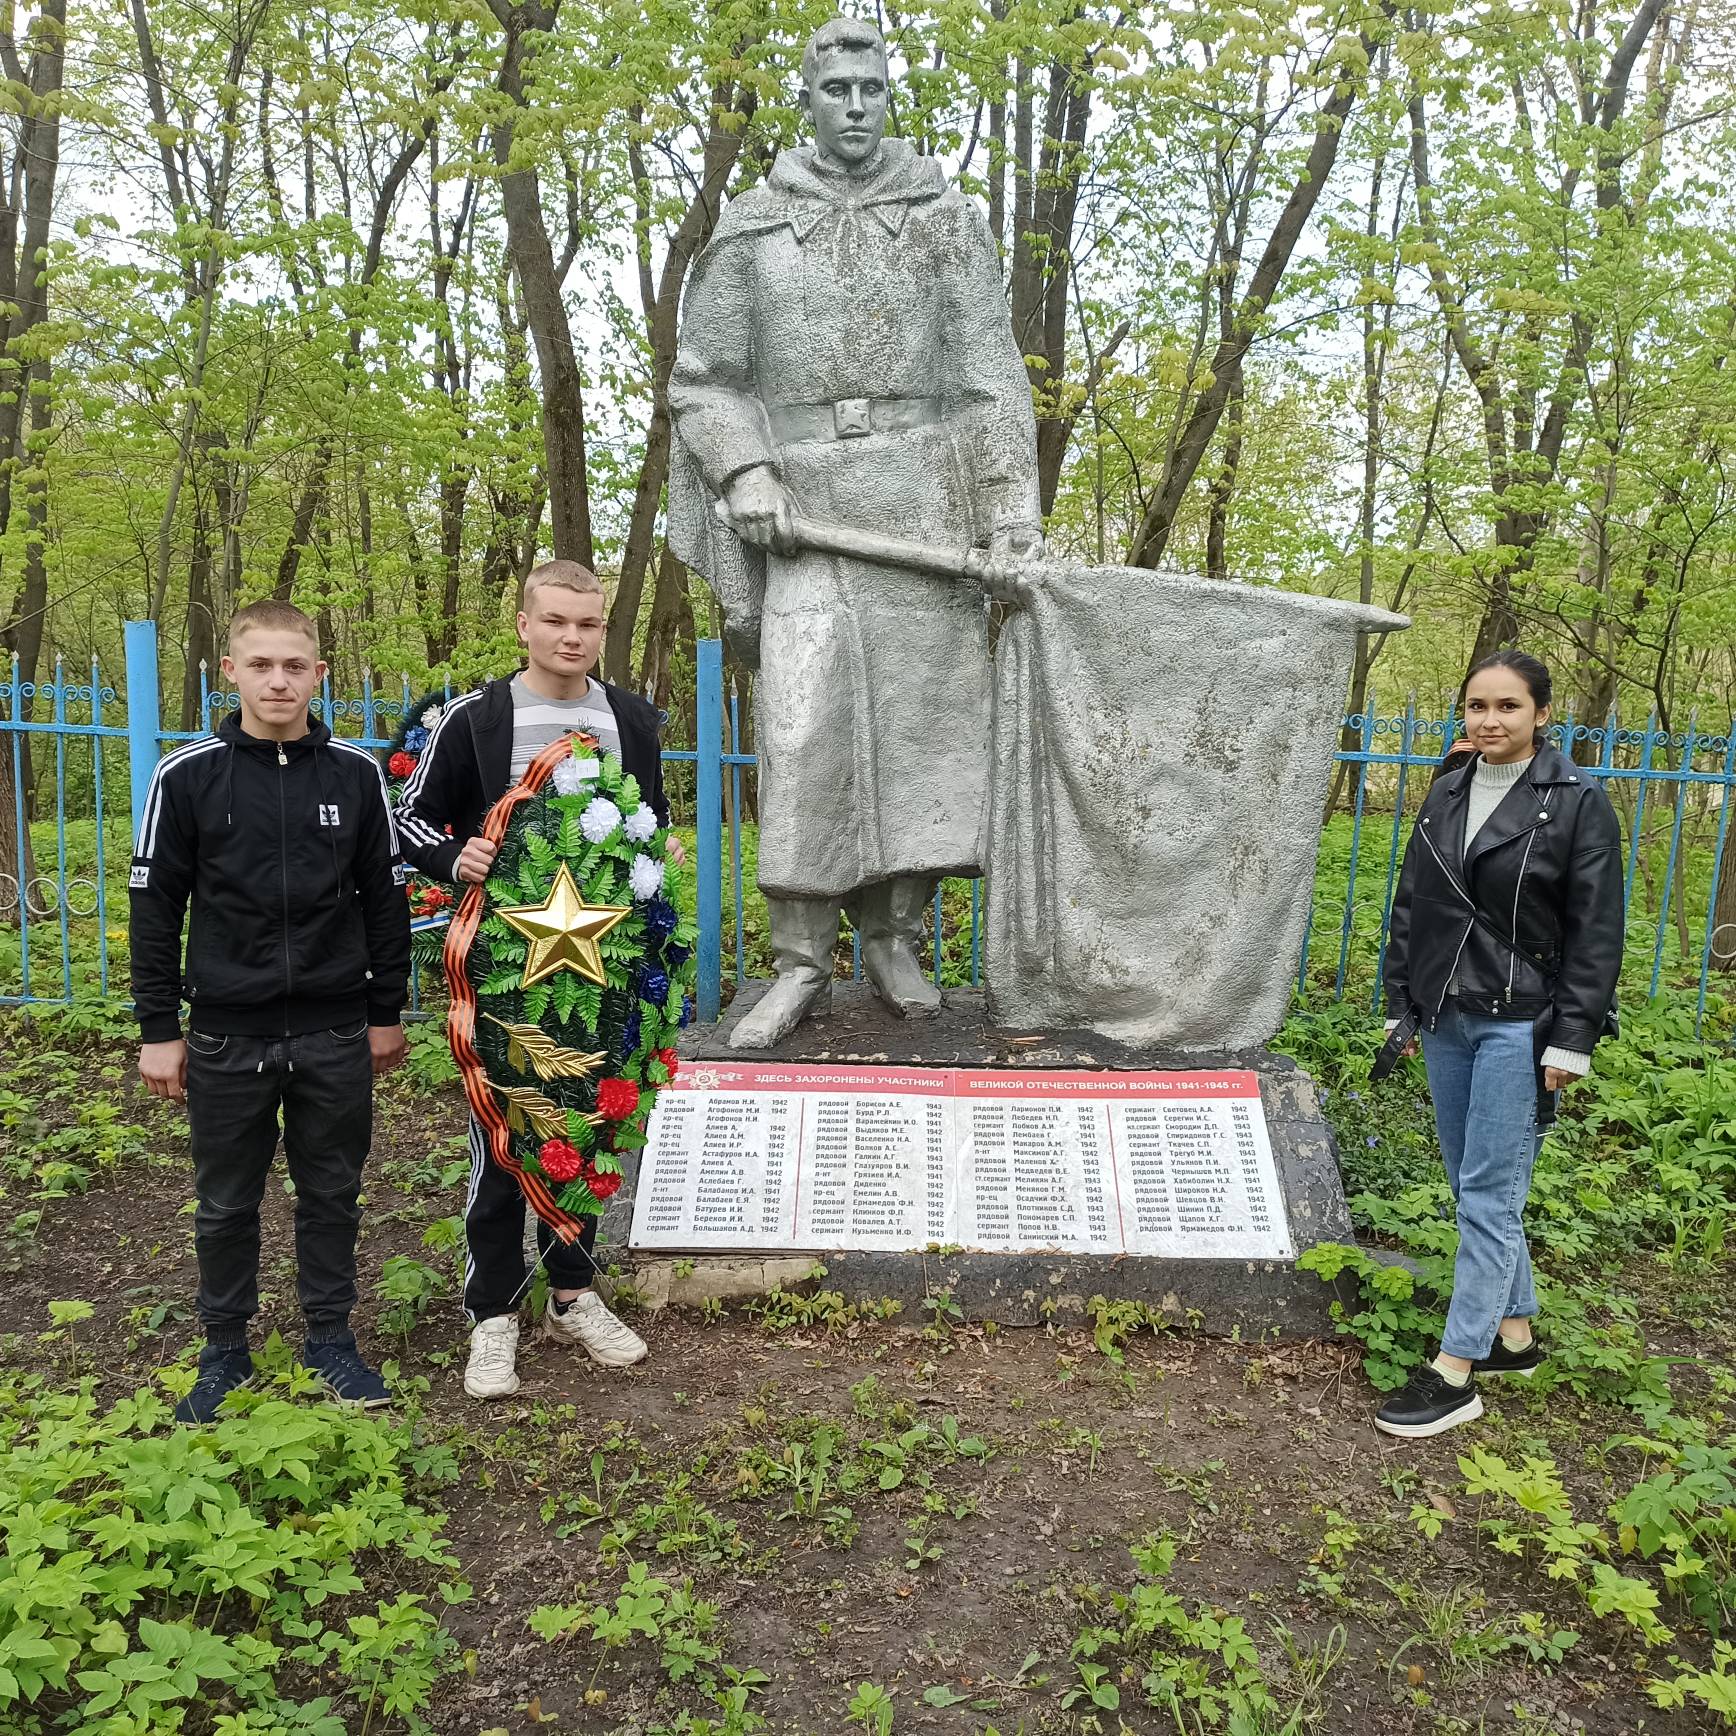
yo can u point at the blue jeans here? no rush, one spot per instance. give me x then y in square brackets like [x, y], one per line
[1483, 1079]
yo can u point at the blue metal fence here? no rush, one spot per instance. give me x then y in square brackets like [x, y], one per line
[62, 921]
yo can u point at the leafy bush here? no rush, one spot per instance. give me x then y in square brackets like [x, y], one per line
[156, 1578]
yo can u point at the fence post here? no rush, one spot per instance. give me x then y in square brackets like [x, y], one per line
[144, 714]
[708, 819]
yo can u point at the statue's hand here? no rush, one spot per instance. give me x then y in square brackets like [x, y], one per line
[1008, 582]
[1007, 575]
[1017, 541]
[761, 511]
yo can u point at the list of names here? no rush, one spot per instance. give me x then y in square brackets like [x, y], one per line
[768, 1157]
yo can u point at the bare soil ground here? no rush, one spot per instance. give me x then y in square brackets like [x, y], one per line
[753, 1456]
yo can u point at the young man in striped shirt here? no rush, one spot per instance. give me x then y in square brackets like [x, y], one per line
[479, 748]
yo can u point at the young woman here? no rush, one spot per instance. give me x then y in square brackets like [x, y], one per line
[1506, 944]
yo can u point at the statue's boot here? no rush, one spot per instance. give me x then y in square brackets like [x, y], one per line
[804, 932]
[889, 919]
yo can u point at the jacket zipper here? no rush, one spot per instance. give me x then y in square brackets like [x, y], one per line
[283, 867]
[1513, 951]
[1453, 882]
[1452, 879]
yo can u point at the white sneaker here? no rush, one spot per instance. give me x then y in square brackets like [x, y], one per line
[493, 1351]
[606, 1339]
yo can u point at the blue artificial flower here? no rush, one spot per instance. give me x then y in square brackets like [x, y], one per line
[661, 919]
[653, 985]
[687, 1009]
[1373, 1141]
[630, 1035]
[676, 956]
[415, 739]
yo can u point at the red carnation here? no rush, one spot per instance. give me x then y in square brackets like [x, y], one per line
[560, 1160]
[670, 1059]
[617, 1099]
[602, 1182]
[435, 897]
[401, 764]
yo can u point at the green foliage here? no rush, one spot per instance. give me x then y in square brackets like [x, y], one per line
[430, 1054]
[406, 1287]
[683, 1629]
[147, 1568]
[60, 1138]
[1396, 1332]
[1199, 1667]
[1683, 1517]
[871, 1707]
[783, 1308]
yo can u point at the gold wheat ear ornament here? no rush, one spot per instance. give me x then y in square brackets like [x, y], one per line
[528, 1108]
[533, 1050]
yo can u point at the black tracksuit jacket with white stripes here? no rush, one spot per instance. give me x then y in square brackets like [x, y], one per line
[289, 856]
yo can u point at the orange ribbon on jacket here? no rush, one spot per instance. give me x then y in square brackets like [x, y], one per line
[461, 1021]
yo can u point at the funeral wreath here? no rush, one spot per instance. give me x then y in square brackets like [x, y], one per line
[569, 970]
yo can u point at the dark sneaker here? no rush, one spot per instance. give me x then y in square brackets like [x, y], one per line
[1501, 1360]
[223, 1369]
[1429, 1405]
[344, 1375]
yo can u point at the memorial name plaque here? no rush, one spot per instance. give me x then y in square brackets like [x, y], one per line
[888, 1159]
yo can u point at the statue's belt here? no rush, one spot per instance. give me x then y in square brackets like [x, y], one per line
[852, 418]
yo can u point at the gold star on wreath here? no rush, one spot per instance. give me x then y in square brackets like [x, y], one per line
[563, 931]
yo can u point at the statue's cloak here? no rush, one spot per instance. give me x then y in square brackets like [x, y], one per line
[828, 301]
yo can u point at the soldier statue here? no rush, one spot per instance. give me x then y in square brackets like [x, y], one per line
[846, 357]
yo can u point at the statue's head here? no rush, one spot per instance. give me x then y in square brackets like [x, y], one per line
[844, 89]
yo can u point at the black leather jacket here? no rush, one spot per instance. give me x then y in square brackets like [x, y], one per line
[1544, 870]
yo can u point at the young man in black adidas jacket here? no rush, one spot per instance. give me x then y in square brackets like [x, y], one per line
[476, 752]
[296, 963]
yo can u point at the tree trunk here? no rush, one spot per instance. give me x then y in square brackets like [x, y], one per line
[731, 112]
[1723, 903]
[1222, 489]
[533, 260]
[39, 156]
[998, 143]
[201, 632]
[1152, 537]
[671, 619]
[15, 872]
[307, 506]
[1046, 197]
[453, 490]
[30, 381]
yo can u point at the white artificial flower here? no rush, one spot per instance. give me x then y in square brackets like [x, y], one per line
[599, 819]
[432, 716]
[640, 825]
[645, 877]
[567, 779]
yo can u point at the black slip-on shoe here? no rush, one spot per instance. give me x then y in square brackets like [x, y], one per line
[223, 1369]
[1429, 1405]
[1501, 1360]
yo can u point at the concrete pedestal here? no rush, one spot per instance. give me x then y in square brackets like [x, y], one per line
[1260, 1298]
